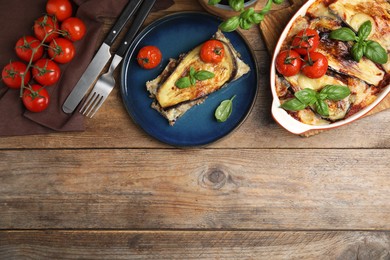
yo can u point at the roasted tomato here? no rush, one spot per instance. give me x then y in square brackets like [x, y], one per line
[61, 50]
[35, 98]
[62, 9]
[12, 74]
[288, 63]
[212, 51]
[46, 26]
[24, 48]
[316, 65]
[149, 57]
[305, 41]
[73, 28]
[46, 72]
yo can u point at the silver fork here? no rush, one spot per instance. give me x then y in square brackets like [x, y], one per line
[103, 87]
[106, 82]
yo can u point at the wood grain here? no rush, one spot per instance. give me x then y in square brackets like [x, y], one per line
[194, 245]
[220, 189]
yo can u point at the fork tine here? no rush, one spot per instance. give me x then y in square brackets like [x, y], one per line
[88, 102]
[97, 104]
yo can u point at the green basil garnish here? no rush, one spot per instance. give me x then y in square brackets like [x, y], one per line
[236, 5]
[192, 77]
[230, 24]
[213, 2]
[224, 110]
[362, 47]
[308, 97]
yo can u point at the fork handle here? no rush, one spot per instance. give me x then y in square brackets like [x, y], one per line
[125, 16]
[135, 26]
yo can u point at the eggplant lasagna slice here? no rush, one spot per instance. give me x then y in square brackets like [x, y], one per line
[365, 79]
[172, 102]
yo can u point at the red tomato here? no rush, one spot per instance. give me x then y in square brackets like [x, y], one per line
[305, 41]
[288, 63]
[46, 26]
[149, 57]
[35, 98]
[12, 74]
[316, 65]
[73, 28]
[212, 51]
[61, 50]
[24, 48]
[46, 72]
[62, 9]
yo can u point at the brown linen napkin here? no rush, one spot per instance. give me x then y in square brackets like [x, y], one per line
[16, 19]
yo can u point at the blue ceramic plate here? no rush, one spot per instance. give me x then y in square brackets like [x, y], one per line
[173, 35]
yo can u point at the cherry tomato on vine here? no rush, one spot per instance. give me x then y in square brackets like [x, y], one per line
[212, 51]
[46, 72]
[61, 50]
[24, 48]
[288, 63]
[46, 26]
[149, 57]
[74, 28]
[316, 65]
[62, 9]
[12, 74]
[35, 98]
[305, 41]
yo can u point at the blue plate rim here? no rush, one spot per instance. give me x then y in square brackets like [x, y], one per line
[136, 41]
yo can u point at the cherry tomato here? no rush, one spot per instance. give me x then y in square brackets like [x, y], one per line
[24, 48]
[288, 63]
[46, 72]
[62, 9]
[74, 28]
[61, 50]
[35, 98]
[149, 57]
[12, 74]
[316, 65]
[46, 26]
[212, 51]
[305, 41]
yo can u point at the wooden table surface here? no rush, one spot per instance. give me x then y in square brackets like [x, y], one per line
[113, 192]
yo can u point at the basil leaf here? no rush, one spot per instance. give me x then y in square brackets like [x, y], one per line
[357, 51]
[335, 92]
[375, 52]
[230, 24]
[322, 108]
[293, 105]
[321, 96]
[183, 82]
[245, 24]
[278, 2]
[203, 75]
[307, 96]
[236, 5]
[192, 72]
[247, 13]
[213, 2]
[256, 18]
[364, 30]
[192, 81]
[343, 34]
[224, 110]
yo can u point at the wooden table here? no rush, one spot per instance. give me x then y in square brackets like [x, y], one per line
[261, 193]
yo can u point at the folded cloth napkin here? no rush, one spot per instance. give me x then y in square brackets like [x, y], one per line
[17, 18]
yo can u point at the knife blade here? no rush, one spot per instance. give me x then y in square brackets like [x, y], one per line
[100, 59]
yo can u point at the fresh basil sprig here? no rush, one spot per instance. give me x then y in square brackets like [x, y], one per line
[308, 97]
[192, 77]
[362, 47]
[224, 110]
[247, 18]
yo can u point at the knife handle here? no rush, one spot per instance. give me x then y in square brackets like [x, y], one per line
[125, 16]
[137, 23]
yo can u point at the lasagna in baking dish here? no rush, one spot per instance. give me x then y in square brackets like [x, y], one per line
[354, 39]
[172, 99]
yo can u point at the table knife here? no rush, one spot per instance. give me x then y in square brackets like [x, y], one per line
[100, 59]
